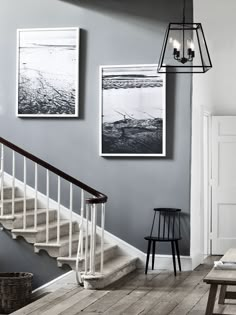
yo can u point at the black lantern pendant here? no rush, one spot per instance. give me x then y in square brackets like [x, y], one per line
[184, 49]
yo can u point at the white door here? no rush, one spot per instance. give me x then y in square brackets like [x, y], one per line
[223, 183]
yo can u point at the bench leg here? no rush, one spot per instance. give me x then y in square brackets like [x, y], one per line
[222, 294]
[211, 299]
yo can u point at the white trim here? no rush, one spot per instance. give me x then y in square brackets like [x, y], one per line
[165, 262]
[52, 281]
[206, 183]
[124, 248]
[196, 260]
[163, 75]
[77, 53]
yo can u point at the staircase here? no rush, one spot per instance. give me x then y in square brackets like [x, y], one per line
[72, 239]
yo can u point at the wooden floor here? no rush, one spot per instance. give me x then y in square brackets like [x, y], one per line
[158, 293]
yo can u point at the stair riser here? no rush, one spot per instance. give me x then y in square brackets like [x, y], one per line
[62, 251]
[64, 230]
[41, 219]
[19, 206]
[108, 254]
[7, 193]
[59, 251]
[102, 283]
[40, 237]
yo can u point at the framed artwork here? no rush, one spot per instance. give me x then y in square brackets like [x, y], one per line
[132, 111]
[47, 72]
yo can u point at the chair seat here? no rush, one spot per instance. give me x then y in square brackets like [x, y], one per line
[161, 239]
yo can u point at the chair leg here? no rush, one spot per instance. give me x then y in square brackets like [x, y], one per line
[148, 254]
[153, 253]
[173, 256]
[178, 256]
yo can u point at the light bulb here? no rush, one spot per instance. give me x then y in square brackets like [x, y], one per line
[190, 44]
[176, 44]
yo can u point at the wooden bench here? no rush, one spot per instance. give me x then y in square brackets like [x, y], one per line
[223, 278]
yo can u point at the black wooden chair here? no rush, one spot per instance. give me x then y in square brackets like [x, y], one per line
[167, 228]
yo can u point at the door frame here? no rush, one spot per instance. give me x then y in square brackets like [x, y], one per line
[206, 182]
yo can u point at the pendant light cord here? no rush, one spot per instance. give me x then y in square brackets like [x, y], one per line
[184, 11]
[183, 28]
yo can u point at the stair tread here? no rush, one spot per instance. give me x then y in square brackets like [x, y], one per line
[6, 186]
[112, 266]
[107, 246]
[16, 199]
[30, 212]
[42, 227]
[63, 240]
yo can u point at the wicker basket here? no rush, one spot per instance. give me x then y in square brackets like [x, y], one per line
[15, 291]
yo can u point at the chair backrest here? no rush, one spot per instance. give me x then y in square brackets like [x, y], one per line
[166, 224]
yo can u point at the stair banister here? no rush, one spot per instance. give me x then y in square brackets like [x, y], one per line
[90, 205]
[98, 197]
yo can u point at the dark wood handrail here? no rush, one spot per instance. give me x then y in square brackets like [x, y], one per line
[98, 196]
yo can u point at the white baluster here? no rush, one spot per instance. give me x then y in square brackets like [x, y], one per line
[24, 206]
[47, 209]
[91, 239]
[78, 273]
[94, 237]
[86, 241]
[70, 227]
[58, 207]
[13, 183]
[36, 195]
[82, 222]
[2, 178]
[102, 236]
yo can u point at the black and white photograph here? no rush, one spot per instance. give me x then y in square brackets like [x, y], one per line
[132, 110]
[48, 72]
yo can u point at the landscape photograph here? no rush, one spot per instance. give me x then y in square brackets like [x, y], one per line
[133, 111]
[47, 72]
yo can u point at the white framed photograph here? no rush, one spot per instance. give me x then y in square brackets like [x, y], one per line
[132, 111]
[47, 72]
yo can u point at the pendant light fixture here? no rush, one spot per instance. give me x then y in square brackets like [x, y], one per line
[184, 49]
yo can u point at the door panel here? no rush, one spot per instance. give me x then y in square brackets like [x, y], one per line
[223, 183]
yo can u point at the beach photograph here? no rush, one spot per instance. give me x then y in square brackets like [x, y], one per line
[47, 72]
[133, 110]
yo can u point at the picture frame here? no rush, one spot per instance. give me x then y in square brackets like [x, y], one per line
[47, 76]
[132, 111]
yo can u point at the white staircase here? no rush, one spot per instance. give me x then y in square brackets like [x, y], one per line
[74, 240]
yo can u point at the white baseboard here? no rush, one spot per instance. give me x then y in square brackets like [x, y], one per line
[161, 261]
[197, 259]
[52, 281]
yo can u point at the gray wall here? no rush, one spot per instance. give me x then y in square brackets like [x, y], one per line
[17, 256]
[112, 32]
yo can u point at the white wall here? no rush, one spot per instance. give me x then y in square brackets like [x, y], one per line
[214, 91]
[217, 88]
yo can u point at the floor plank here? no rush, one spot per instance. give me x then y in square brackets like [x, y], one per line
[47, 299]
